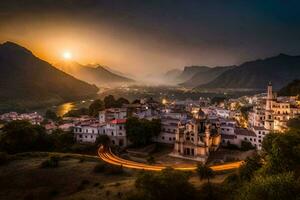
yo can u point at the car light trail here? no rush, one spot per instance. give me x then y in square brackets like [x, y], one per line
[111, 158]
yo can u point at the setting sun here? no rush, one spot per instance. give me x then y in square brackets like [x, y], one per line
[67, 55]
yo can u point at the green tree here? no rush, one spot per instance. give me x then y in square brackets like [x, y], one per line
[283, 154]
[20, 136]
[280, 186]
[141, 132]
[167, 184]
[251, 164]
[51, 115]
[109, 101]
[204, 172]
[95, 107]
[121, 101]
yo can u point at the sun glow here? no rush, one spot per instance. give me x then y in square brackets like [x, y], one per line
[67, 55]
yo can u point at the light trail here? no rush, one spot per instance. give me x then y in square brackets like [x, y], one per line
[111, 158]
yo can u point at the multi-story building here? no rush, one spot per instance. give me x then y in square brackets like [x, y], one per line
[111, 123]
[168, 130]
[274, 114]
[196, 139]
[111, 114]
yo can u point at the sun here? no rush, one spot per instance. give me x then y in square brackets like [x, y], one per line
[67, 55]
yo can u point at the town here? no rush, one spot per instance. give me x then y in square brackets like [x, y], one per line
[194, 128]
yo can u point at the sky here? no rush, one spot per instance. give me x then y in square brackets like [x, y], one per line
[150, 37]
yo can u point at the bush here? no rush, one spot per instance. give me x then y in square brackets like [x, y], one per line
[52, 162]
[4, 158]
[114, 170]
[99, 168]
[245, 146]
[108, 169]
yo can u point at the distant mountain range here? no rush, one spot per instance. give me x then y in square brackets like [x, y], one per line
[205, 76]
[94, 74]
[280, 70]
[189, 71]
[28, 81]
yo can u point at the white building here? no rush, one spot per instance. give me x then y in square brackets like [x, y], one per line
[111, 123]
[168, 130]
[111, 114]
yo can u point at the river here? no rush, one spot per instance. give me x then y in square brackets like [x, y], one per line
[66, 107]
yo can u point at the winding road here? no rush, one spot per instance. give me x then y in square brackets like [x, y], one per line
[106, 155]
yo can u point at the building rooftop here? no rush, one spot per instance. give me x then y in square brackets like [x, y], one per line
[244, 132]
[118, 121]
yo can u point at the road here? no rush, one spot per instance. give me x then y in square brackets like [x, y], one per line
[107, 156]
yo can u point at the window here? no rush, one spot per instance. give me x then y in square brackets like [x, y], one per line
[120, 127]
[163, 137]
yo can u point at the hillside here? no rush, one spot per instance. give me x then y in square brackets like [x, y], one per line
[97, 74]
[189, 71]
[28, 81]
[205, 76]
[291, 89]
[280, 70]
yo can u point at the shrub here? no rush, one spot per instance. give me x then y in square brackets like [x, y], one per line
[99, 168]
[108, 169]
[114, 170]
[52, 162]
[4, 158]
[245, 146]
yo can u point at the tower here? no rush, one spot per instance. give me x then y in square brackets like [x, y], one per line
[269, 120]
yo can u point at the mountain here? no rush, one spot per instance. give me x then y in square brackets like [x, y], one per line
[170, 77]
[256, 74]
[205, 76]
[118, 72]
[94, 74]
[29, 81]
[189, 71]
[291, 89]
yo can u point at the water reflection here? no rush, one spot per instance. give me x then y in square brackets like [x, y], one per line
[64, 108]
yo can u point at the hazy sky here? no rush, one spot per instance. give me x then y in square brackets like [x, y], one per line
[143, 37]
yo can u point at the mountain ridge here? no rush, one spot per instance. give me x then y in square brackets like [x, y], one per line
[26, 79]
[279, 69]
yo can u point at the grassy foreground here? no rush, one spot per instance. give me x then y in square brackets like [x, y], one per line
[74, 178]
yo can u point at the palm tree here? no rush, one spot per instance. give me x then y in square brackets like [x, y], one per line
[204, 172]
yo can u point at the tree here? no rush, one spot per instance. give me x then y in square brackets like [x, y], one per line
[141, 132]
[250, 165]
[204, 172]
[102, 140]
[167, 184]
[51, 115]
[109, 101]
[136, 101]
[282, 152]
[95, 107]
[246, 145]
[20, 136]
[281, 186]
[121, 101]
